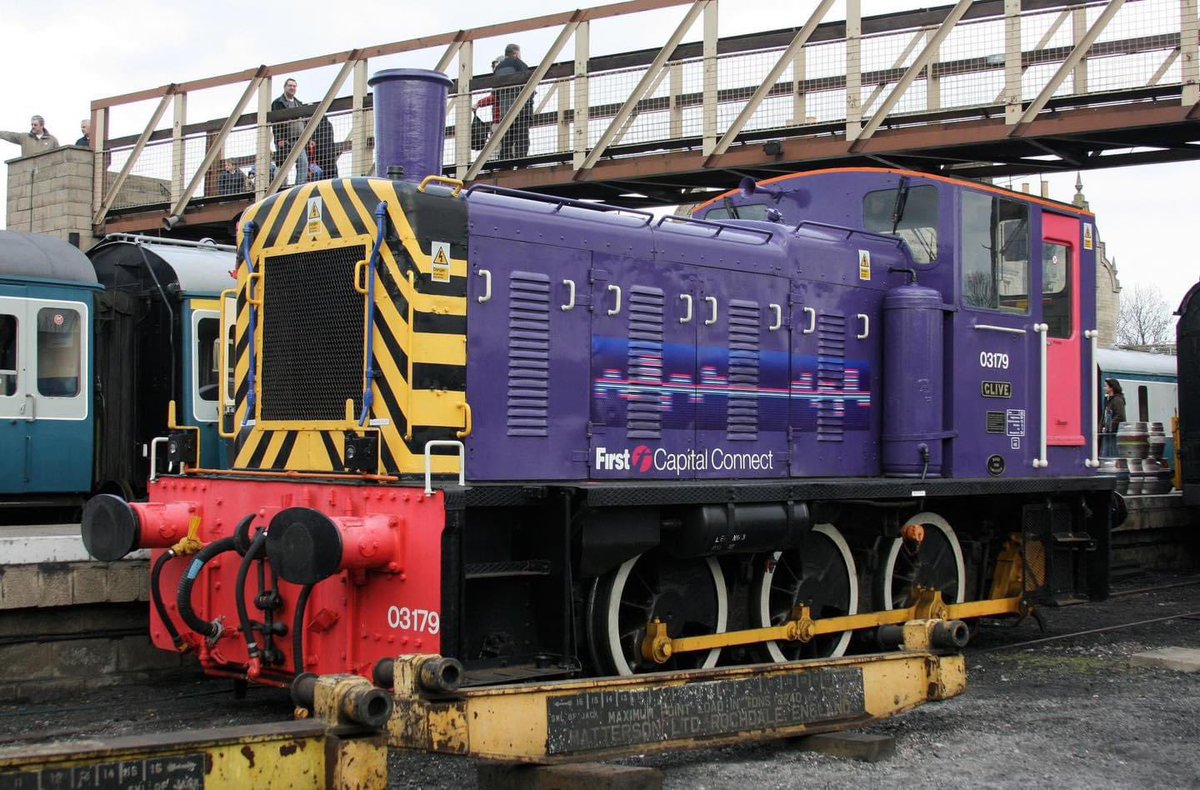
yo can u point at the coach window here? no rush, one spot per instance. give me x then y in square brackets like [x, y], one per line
[908, 213]
[995, 253]
[58, 352]
[1056, 289]
[207, 362]
[8, 355]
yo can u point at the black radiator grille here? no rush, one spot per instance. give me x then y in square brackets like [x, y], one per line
[312, 330]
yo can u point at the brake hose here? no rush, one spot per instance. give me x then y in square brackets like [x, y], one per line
[211, 630]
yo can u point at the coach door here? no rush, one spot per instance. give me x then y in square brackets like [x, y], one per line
[16, 407]
[44, 396]
[1060, 313]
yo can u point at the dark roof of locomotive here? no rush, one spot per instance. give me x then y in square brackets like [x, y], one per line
[34, 256]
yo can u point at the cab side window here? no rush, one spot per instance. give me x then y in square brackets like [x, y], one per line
[995, 253]
[908, 213]
[8, 355]
[58, 352]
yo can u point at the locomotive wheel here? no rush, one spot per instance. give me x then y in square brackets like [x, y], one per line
[936, 562]
[819, 573]
[688, 595]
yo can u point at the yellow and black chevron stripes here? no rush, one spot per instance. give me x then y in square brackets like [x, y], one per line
[418, 331]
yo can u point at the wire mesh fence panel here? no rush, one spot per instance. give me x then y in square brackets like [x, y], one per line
[1138, 52]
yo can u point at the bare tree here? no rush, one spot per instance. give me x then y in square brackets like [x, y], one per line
[1144, 318]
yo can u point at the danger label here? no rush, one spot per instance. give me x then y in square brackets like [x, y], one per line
[864, 264]
[441, 262]
[316, 209]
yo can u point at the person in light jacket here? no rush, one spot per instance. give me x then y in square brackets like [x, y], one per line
[36, 140]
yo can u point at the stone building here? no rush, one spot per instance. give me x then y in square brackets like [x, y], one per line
[1108, 287]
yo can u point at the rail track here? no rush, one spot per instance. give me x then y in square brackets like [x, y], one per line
[166, 706]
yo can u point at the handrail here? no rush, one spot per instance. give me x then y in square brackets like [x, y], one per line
[720, 226]
[138, 238]
[1041, 462]
[369, 378]
[1094, 460]
[1012, 330]
[850, 232]
[248, 231]
[223, 366]
[154, 456]
[560, 202]
[462, 466]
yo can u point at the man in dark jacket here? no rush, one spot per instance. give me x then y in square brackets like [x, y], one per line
[231, 181]
[516, 142]
[326, 155]
[289, 131]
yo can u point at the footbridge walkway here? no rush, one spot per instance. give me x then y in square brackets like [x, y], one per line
[983, 88]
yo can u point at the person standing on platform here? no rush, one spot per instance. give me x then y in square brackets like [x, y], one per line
[85, 128]
[516, 142]
[1114, 415]
[36, 140]
[287, 133]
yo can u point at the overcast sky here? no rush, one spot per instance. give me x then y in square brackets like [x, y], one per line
[58, 56]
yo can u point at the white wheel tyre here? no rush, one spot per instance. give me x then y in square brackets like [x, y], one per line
[945, 535]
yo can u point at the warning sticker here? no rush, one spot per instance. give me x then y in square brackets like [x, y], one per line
[1087, 235]
[316, 210]
[864, 264]
[440, 253]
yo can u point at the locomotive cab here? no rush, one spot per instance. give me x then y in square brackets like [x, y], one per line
[1011, 270]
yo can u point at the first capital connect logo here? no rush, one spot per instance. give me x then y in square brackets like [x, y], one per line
[643, 459]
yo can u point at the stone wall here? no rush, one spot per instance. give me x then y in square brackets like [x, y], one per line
[51, 193]
[69, 626]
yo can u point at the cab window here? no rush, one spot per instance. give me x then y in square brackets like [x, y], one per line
[908, 213]
[1056, 289]
[8, 355]
[58, 352]
[995, 253]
